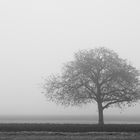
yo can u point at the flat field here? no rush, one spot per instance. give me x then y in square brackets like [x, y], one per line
[68, 136]
[71, 128]
[69, 132]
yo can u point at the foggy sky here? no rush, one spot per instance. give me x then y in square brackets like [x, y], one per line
[38, 36]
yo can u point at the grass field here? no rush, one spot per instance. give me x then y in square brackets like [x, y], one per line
[69, 132]
[69, 127]
[68, 136]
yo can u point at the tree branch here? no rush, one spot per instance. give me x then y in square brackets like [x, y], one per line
[113, 102]
[91, 92]
[107, 79]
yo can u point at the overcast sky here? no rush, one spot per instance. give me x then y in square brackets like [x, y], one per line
[38, 36]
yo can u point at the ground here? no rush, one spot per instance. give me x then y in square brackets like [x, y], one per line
[68, 136]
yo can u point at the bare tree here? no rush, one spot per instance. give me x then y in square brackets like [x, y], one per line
[96, 75]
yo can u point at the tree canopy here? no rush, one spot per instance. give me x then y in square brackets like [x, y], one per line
[96, 75]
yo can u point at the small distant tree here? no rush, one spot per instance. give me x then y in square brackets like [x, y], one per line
[97, 75]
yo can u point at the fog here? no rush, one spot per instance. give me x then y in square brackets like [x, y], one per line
[38, 36]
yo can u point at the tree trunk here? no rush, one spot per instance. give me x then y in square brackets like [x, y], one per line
[100, 116]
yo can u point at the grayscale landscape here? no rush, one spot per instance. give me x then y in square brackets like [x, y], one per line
[69, 70]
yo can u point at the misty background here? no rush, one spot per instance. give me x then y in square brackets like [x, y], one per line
[38, 36]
